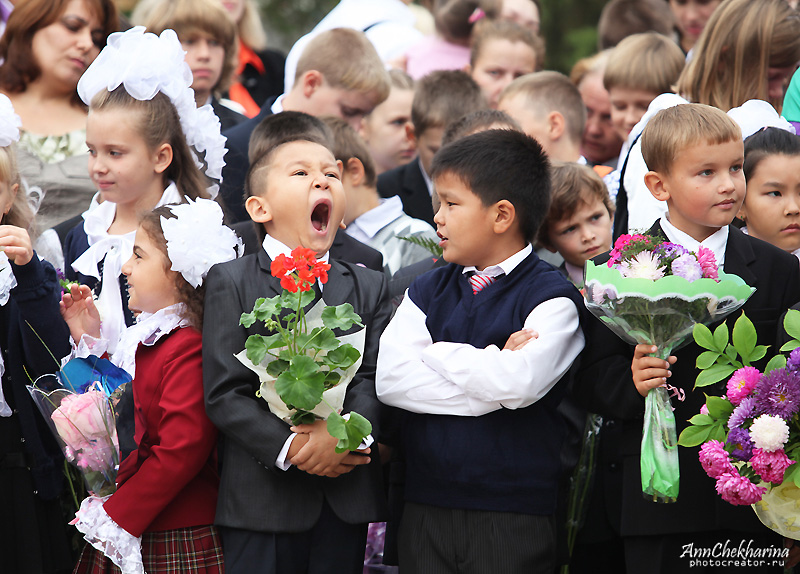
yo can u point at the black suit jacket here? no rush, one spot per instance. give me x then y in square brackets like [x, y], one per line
[237, 163]
[344, 247]
[605, 385]
[407, 182]
[254, 494]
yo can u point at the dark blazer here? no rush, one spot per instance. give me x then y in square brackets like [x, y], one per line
[254, 494]
[407, 182]
[227, 117]
[344, 248]
[237, 163]
[604, 385]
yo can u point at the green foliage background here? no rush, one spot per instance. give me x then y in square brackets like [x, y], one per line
[569, 26]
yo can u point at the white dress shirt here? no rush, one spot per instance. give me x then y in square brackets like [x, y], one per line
[444, 378]
[716, 242]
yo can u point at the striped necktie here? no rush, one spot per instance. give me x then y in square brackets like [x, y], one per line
[479, 282]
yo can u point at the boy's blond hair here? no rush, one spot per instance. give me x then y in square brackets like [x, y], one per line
[347, 144]
[648, 61]
[347, 60]
[488, 30]
[188, 17]
[443, 97]
[573, 185]
[685, 125]
[547, 92]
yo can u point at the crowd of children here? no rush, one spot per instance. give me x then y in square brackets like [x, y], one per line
[454, 200]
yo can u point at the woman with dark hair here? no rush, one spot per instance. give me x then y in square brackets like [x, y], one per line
[46, 47]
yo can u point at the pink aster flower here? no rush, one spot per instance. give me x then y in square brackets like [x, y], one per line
[708, 262]
[742, 383]
[738, 490]
[714, 459]
[770, 466]
[704, 409]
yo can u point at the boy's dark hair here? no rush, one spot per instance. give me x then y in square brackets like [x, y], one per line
[273, 132]
[442, 97]
[501, 164]
[622, 18]
[770, 141]
[347, 144]
[478, 121]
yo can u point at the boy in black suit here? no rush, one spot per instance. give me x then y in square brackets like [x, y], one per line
[695, 154]
[288, 502]
[440, 98]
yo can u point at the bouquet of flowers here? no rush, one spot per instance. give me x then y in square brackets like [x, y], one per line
[303, 367]
[655, 292]
[751, 436]
[78, 406]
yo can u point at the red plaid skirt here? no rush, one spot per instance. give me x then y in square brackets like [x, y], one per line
[195, 550]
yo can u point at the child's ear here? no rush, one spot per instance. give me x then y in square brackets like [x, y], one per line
[163, 157]
[11, 197]
[504, 216]
[311, 81]
[655, 183]
[556, 125]
[354, 170]
[258, 209]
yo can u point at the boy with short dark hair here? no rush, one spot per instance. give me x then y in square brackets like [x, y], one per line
[695, 156]
[476, 353]
[288, 502]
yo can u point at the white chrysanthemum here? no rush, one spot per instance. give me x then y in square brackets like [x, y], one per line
[645, 265]
[769, 433]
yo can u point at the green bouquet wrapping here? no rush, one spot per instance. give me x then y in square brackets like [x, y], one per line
[655, 292]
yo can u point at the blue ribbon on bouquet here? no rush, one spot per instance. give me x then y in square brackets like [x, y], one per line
[80, 373]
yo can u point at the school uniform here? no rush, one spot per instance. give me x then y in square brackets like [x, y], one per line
[605, 386]
[276, 520]
[412, 186]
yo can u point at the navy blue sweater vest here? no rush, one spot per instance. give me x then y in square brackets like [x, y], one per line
[507, 460]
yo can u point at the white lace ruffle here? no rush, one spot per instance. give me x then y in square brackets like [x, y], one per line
[100, 530]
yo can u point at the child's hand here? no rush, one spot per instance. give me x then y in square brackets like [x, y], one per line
[317, 455]
[78, 309]
[519, 339]
[16, 243]
[649, 372]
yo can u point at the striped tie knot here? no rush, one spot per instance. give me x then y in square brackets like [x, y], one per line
[479, 282]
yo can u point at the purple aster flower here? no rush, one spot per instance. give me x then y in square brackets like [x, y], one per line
[686, 266]
[739, 439]
[667, 249]
[741, 413]
[793, 363]
[778, 394]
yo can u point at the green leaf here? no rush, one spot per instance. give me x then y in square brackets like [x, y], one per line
[791, 322]
[332, 379]
[718, 407]
[776, 362]
[744, 337]
[320, 338]
[721, 337]
[701, 420]
[758, 353]
[301, 384]
[266, 308]
[340, 317]
[790, 346]
[301, 417]
[256, 348]
[276, 367]
[718, 432]
[713, 374]
[342, 358]
[703, 337]
[694, 436]
[349, 432]
[730, 352]
[247, 320]
[290, 300]
[706, 359]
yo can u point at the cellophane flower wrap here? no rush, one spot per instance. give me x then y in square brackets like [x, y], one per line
[77, 403]
[654, 292]
[750, 438]
[303, 367]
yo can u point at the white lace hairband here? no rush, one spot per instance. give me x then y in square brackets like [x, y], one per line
[9, 122]
[197, 239]
[146, 64]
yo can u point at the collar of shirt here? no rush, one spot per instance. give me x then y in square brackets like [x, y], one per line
[716, 242]
[277, 105]
[273, 247]
[574, 273]
[426, 177]
[504, 267]
[368, 224]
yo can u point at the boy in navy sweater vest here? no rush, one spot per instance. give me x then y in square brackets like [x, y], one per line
[474, 355]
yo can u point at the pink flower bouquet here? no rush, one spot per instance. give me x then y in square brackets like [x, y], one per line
[750, 438]
[655, 292]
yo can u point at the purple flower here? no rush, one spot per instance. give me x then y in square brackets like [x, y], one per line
[741, 413]
[714, 459]
[778, 394]
[793, 363]
[668, 249]
[686, 266]
[770, 466]
[738, 490]
[739, 439]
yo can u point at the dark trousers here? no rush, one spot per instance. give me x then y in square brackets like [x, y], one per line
[330, 547]
[437, 540]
